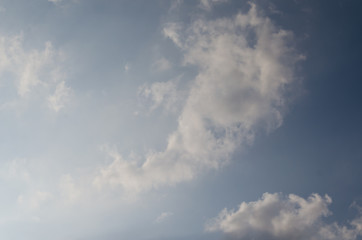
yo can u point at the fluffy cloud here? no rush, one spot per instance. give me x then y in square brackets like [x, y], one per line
[162, 94]
[245, 64]
[33, 69]
[275, 217]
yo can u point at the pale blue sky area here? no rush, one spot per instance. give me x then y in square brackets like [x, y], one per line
[209, 119]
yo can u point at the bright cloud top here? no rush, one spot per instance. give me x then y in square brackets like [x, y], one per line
[276, 217]
[245, 64]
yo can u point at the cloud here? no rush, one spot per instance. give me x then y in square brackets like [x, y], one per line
[171, 31]
[55, 1]
[16, 169]
[162, 94]
[275, 217]
[163, 216]
[162, 65]
[207, 4]
[62, 2]
[127, 67]
[245, 65]
[60, 97]
[68, 189]
[33, 69]
[35, 199]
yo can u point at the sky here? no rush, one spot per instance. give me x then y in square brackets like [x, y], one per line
[205, 119]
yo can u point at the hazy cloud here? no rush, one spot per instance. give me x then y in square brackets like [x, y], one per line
[33, 69]
[34, 199]
[60, 97]
[162, 65]
[207, 4]
[55, 1]
[163, 216]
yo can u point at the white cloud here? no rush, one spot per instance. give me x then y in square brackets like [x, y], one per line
[68, 189]
[62, 2]
[16, 169]
[245, 63]
[32, 69]
[171, 31]
[163, 94]
[55, 1]
[35, 199]
[163, 216]
[275, 217]
[162, 65]
[60, 97]
[207, 4]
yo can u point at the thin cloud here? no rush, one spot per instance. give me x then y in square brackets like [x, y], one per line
[60, 98]
[162, 65]
[35, 72]
[127, 67]
[163, 216]
[208, 4]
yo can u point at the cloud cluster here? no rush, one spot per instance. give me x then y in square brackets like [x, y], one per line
[275, 217]
[33, 70]
[244, 65]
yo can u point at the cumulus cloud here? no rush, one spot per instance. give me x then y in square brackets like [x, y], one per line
[275, 217]
[245, 64]
[32, 69]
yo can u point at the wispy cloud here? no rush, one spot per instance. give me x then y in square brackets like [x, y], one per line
[162, 65]
[208, 4]
[33, 70]
[163, 217]
[60, 97]
[34, 200]
[244, 65]
[276, 217]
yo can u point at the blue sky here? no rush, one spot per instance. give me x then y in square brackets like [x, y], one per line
[210, 119]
